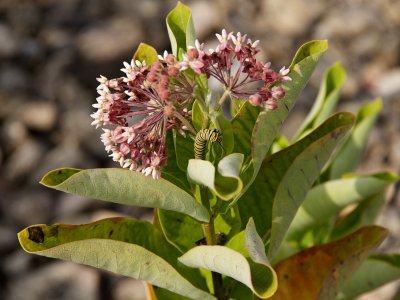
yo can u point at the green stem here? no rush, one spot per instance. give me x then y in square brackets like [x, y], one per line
[221, 100]
[209, 233]
[185, 122]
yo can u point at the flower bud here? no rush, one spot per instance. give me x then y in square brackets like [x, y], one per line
[278, 92]
[255, 100]
[193, 53]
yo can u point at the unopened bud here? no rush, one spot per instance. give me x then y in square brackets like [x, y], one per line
[255, 100]
[193, 53]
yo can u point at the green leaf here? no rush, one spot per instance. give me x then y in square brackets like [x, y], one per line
[327, 98]
[366, 213]
[125, 187]
[124, 246]
[242, 126]
[376, 271]
[321, 271]
[280, 143]
[180, 230]
[146, 53]
[285, 177]
[225, 183]
[326, 200]
[266, 127]
[350, 154]
[249, 266]
[180, 29]
[184, 150]
[184, 233]
[224, 126]
[171, 171]
[197, 115]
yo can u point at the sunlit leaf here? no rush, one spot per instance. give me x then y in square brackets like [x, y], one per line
[180, 29]
[249, 265]
[326, 200]
[124, 246]
[376, 271]
[327, 98]
[350, 154]
[145, 53]
[267, 124]
[286, 176]
[225, 183]
[125, 187]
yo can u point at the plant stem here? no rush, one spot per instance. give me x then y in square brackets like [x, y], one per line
[209, 233]
[185, 122]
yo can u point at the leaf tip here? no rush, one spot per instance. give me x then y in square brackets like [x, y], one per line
[57, 176]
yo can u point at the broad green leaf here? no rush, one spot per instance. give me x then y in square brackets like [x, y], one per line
[249, 265]
[146, 53]
[184, 150]
[180, 29]
[197, 115]
[125, 187]
[321, 271]
[224, 126]
[327, 98]
[326, 200]
[265, 128]
[376, 271]
[366, 213]
[225, 183]
[350, 154]
[180, 230]
[171, 171]
[184, 233]
[242, 126]
[286, 176]
[280, 143]
[124, 246]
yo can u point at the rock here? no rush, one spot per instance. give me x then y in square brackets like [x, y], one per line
[17, 263]
[293, 17]
[12, 133]
[8, 238]
[60, 280]
[69, 205]
[50, 78]
[56, 38]
[66, 154]
[8, 42]
[129, 289]
[205, 18]
[13, 78]
[38, 115]
[110, 39]
[23, 160]
[27, 206]
[388, 85]
[347, 21]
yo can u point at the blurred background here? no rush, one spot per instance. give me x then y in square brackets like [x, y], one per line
[52, 51]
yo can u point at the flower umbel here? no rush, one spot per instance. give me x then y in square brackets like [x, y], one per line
[233, 63]
[143, 105]
[140, 107]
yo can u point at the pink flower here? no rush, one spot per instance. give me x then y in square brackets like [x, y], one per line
[234, 64]
[140, 107]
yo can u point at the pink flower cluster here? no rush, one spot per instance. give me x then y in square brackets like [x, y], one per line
[143, 105]
[149, 100]
[233, 63]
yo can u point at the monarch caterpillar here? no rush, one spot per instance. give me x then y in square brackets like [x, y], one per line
[204, 135]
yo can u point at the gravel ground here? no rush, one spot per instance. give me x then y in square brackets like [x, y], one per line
[52, 51]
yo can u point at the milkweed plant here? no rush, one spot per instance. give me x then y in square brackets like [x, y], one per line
[240, 212]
